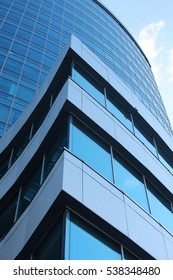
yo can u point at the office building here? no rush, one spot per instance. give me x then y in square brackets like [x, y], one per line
[86, 170]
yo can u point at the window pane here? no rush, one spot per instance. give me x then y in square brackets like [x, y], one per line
[164, 158]
[144, 137]
[7, 216]
[91, 149]
[55, 150]
[130, 181]
[89, 84]
[86, 243]
[29, 190]
[4, 165]
[50, 246]
[19, 148]
[119, 111]
[160, 207]
[4, 111]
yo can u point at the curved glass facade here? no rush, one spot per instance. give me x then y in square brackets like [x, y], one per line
[34, 32]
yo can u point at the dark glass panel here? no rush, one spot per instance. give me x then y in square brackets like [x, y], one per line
[29, 190]
[4, 165]
[54, 151]
[165, 159]
[50, 246]
[7, 216]
[128, 255]
[144, 137]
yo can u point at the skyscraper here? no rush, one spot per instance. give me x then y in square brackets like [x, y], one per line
[86, 171]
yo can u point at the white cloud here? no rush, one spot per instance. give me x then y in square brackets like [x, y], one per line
[148, 40]
[170, 68]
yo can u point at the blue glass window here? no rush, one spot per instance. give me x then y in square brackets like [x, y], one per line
[89, 84]
[86, 243]
[144, 137]
[119, 111]
[7, 86]
[25, 93]
[14, 115]
[19, 48]
[129, 180]
[86, 145]
[4, 111]
[13, 65]
[30, 72]
[160, 207]
[165, 159]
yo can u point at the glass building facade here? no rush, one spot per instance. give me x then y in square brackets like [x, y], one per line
[87, 170]
[34, 32]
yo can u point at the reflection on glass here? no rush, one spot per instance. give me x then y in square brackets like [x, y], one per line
[164, 158]
[86, 243]
[119, 111]
[160, 207]
[91, 149]
[129, 180]
[144, 137]
[89, 84]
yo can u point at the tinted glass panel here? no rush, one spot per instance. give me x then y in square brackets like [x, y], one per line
[29, 190]
[89, 84]
[88, 244]
[165, 159]
[50, 246]
[18, 149]
[128, 255]
[129, 180]
[144, 137]
[4, 166]
[7, 216]
[160, 207]
[119, 111]
[91, 149]
[54, 152]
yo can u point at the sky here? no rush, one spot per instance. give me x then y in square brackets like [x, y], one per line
[151, 24]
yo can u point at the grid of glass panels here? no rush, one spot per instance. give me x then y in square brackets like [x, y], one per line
[34, 32]
[123, 174]
[109, 99]
[16, 205]
[100, 156]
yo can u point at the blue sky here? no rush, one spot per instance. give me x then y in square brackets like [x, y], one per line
[151, 24]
